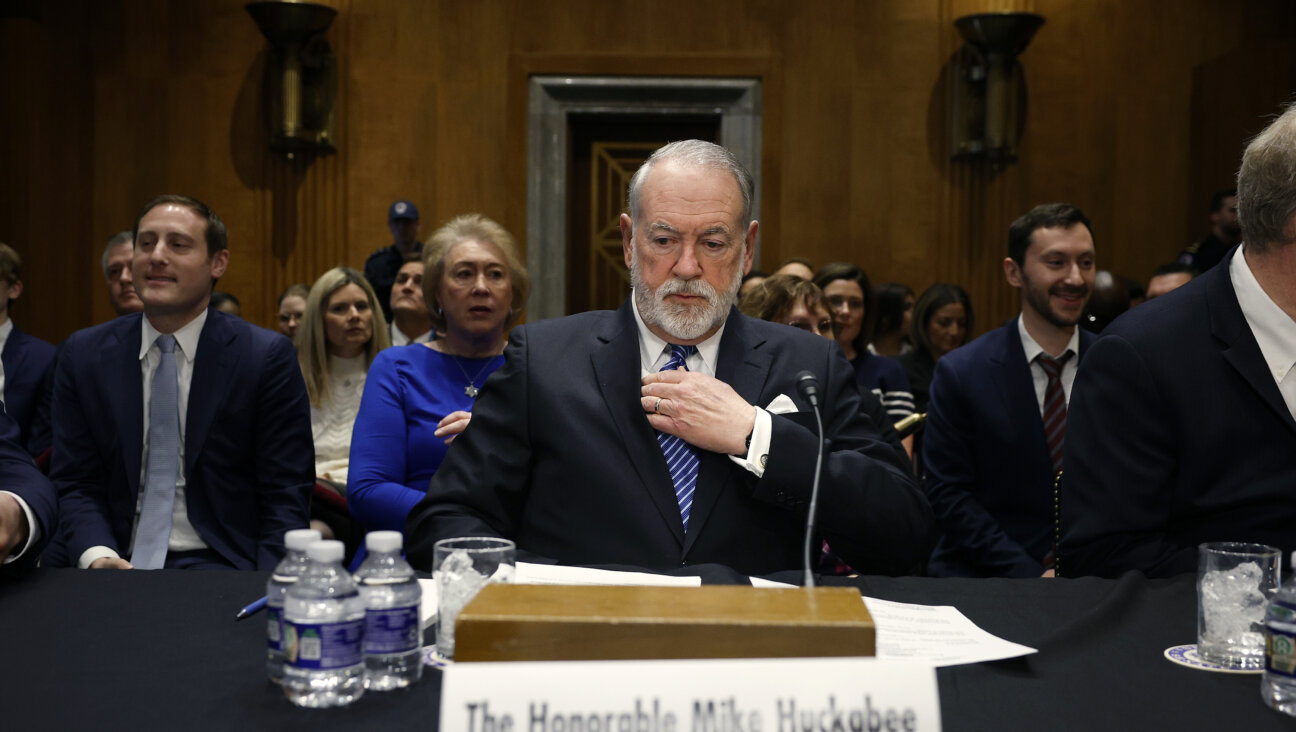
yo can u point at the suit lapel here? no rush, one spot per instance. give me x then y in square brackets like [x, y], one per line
[1016, 387]
[1239, 347]
[215, 358]
[744, 366]
[617, 365]
[120, 364]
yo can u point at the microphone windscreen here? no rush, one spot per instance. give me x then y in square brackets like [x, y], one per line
[808, 387]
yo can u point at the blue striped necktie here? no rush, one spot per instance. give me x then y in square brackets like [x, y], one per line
[154, 529]
[680, 457]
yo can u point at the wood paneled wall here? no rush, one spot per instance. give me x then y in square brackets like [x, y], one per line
[1137, 110]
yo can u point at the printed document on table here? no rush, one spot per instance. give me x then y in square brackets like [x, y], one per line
[938, 634]
[526, 573]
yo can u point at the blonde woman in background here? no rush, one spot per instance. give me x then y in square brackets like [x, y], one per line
[342, 329]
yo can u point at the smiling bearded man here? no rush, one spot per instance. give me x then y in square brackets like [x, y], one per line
[640, 437]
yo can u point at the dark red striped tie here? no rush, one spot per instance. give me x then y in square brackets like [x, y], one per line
[1054, 406]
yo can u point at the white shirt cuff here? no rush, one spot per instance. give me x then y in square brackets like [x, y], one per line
[33, 528]
[758, 451]
[95, 552]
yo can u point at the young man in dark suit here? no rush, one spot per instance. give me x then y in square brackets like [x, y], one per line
[181, 435]
[1182, 429]
[671, 431]
[997, 417]
[26, 363]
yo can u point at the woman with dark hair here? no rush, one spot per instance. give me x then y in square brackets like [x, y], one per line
[942, 321]
[850, 298]
[893, 304]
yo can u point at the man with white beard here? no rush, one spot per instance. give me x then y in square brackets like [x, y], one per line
[671, 431]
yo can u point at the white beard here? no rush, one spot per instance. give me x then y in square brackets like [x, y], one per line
[683, 322]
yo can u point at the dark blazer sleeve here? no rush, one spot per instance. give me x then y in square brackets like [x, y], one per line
[1120, 451]
[77, 468]
[870, 508]
[949, 454]
[18, 475]
[285, 454]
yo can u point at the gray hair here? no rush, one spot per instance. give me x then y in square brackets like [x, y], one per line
[694, 152]
[1267, 184]
[121, 237]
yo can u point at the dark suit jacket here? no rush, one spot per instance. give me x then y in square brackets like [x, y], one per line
[989, 474]
[249, 457]
[1177, 435]
[560, 457]
[29, 372]
[18, 475]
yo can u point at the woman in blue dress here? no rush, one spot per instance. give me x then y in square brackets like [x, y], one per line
[418, 397]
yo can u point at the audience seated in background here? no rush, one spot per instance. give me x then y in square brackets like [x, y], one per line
[1225, 233]
[419, 397]
[1169, 277]
[850, 298]
[28, 504]
[993, 441]
[291, 308]
[1182, 427]
[797, 267]
[750, 281]
[342, 331]
[26, 363]
[383, 264]
[893, 306]
[800, 304]
[567, 451]
[227, 303]
[116, 263]
[942, 322]
[411, 321]
[1110, 298]
[182, 435]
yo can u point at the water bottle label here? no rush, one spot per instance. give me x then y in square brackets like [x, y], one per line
[274, 628]
[317, 646]
[392, 630]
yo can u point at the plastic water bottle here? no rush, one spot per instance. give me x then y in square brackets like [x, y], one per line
[286, 574]
[393, 641]
[323, 631]
[1278, 687]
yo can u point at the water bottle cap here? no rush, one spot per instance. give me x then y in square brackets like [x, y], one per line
[325, 551]
[384, 541]
[298, 539]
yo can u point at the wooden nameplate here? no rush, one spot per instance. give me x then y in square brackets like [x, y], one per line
[507, 622]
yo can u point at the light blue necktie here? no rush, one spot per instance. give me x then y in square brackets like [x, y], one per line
[680, 458]
[154, 530]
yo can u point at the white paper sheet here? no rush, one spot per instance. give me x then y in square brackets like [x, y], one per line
[937, 634]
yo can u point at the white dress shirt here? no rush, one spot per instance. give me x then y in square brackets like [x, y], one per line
[183, 535]
[398, 337]
[1038, 375]
[1274, 330]
[654, 353]
[5, 330]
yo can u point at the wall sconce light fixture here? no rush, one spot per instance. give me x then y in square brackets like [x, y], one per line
[300, 86]
[989, 96]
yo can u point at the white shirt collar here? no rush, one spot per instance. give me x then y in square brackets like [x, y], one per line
[1034, 349]
[651, 347]
[1274, 330]
[186, 337]
[5, 330]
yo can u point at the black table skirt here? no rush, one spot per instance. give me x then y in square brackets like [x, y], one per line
[138, 650]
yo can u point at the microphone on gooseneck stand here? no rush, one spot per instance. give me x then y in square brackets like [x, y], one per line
[808, 387]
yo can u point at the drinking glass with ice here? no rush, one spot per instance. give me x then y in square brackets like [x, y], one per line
[1234, 581]
[461, 567]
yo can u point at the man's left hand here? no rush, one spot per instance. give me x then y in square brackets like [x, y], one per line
[13, 525]
[699, 409]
